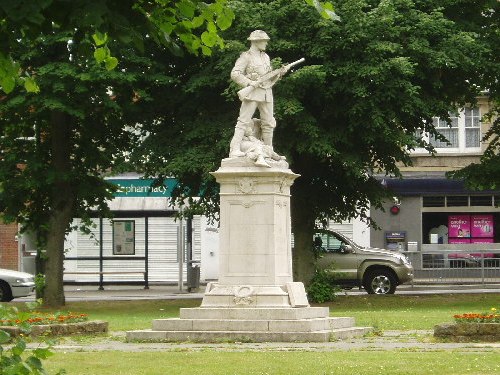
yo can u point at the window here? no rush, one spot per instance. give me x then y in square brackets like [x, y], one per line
[463, 132]
[450, 131]
[433, 201]
[460, 201]
[472, 127]
[457, 200]
[481, 200]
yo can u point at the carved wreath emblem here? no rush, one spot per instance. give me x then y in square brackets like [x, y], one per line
[246, 185]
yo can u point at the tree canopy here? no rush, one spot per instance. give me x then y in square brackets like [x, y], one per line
[371, 83]
[486, 174]
[84, 82]
[56, 145]
[190, 25]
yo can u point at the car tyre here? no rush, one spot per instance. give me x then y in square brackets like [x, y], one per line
[380, 281]
[5, 292]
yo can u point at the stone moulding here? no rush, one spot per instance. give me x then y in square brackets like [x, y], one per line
[464, 332]
[66, 329]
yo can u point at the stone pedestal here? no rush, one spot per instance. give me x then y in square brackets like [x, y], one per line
[255, 237]
[255, 298]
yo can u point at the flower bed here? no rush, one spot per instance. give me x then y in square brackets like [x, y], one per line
[40, 318]
[34, 323]
[471, 327]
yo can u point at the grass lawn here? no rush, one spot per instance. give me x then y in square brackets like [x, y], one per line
[395, 312]
[301, 363]
[400, 312]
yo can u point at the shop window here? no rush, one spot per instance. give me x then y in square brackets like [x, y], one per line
[457, 200]
[481, 200]
[461, 201]
[433, 201]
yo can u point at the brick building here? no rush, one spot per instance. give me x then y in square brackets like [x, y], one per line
[9, 252]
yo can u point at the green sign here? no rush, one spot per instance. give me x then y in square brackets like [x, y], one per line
[143, 188]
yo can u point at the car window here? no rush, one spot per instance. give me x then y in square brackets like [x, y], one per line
[327, 243]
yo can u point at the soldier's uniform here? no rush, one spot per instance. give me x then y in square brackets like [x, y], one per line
[250, 67]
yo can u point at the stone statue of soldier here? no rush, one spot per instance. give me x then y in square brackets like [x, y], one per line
[248, 69]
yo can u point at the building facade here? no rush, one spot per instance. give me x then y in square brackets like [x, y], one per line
[439, 216]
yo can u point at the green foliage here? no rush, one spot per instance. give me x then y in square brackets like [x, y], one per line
[191, 25]
[56, 146]
[39, 284]
[17, 360]
[322, 287]
[370, 83]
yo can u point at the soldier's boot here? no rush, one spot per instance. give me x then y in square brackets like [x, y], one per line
[235, 145]
[267, 136]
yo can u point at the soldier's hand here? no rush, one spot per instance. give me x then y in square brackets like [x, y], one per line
[254, 84]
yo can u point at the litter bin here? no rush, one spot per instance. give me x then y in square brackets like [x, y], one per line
[193, 277]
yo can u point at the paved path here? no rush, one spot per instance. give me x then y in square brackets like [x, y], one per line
[127, 292]
[416, 341]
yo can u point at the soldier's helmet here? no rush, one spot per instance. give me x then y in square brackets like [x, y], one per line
[258, 35]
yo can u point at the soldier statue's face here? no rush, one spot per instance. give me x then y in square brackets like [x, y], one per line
[260, 44]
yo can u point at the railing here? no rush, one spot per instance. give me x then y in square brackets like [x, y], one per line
[457, 266]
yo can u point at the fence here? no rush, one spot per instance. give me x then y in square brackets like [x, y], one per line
[457, 266]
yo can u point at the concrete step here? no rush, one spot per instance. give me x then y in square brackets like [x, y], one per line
[225, 336]
[299, 325]
[341, 322]
[254, 313]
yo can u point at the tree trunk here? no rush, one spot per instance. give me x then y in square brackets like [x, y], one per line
[303, 231]
[61, 209]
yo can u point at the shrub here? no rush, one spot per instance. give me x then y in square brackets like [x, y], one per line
[322, 287]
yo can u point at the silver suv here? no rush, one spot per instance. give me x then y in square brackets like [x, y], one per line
[379, 271]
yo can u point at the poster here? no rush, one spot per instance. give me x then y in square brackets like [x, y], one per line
[123, 237]
[458, 226]
[482, 226]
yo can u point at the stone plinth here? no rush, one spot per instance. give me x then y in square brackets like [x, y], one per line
[306, 324]
[255, 298]
[255, 233]
[255, 237]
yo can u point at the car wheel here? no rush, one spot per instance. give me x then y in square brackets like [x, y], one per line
[380, 282]
[5, 292]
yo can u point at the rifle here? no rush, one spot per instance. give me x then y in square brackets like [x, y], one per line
[268, 77]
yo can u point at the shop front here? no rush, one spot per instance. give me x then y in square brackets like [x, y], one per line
[448, 231]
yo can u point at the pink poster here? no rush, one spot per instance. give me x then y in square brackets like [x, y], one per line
[458, 226]
[458, 240]
[482, 225]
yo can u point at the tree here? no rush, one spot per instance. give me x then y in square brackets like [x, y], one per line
[56, 146]
[192, 24]
[486, 174]
[371, 83]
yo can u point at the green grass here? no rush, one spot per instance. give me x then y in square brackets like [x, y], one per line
[395, 312]
[338, 362]
[400, 312]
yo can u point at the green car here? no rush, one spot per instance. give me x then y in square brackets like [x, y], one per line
[378, 271]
